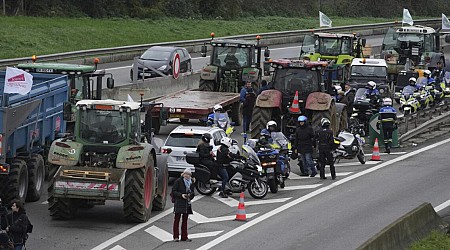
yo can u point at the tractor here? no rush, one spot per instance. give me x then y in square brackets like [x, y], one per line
[302, 79]
[111, 156]
[81, 79]
[232, 63]
[409, 48]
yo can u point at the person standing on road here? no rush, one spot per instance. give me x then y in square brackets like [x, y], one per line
[350, 94]
[16, 224]
[248, 99]
[387, 121]
[206, 155]
[183, 193]
[326, 145]
[224, 157]
[304, 143]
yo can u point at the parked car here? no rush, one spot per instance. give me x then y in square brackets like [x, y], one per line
[184, 139]
[161, 59]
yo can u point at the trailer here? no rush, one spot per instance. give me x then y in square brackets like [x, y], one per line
[192, 104]
[28, 125]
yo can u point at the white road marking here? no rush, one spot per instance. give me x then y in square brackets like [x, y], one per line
[312, 194]
[44, 202]
[442, 206]
[300, 187]
[200, 219]
[234, 203]
[297, 177]
[166, 236]
[118, 247]
[138, 227]
[392, 153]
[355, 163]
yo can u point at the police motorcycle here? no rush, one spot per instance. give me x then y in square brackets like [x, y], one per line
[350, 145]
[408, 101]
[221, 120]
[274, 157]
[423, 93]
[364, 108]
[244, 174]
[445, 85]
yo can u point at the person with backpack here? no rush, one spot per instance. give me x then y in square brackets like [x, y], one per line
[17, 224]
[326, 145]
[183, 193]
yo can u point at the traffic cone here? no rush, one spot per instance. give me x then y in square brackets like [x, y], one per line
[376, 151]
[295, 108]
[240, 215]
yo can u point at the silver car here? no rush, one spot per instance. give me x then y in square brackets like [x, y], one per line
[184, 139]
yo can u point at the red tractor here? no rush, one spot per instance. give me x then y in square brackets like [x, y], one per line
[305, 78]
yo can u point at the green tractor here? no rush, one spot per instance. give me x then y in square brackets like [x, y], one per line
[232, 62]
[82, 83]
[110, 157]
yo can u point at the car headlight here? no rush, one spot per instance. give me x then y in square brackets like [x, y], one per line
[162, 67]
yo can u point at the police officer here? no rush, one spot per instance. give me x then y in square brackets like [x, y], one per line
[326, 145]
[387, 121]
[304, 144]
[224, 157]
[372, 93]
[204, 150]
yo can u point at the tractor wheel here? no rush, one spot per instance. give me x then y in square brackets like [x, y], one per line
[60, 208]
[163, 178]
[330, 114]
[236, 113]
[16, 183]
[259, 120]
[139, 193]
[36, 177]
[206, 85]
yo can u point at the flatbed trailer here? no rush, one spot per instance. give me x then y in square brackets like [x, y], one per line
[193, 104]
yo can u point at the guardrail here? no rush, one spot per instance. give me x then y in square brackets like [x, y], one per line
[194, 45]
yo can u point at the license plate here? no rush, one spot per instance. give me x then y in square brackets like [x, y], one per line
[176, 116]
[180, 158]
[269, 170]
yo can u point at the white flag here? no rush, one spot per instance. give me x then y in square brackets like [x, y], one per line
[445, 22]
[407, 18]
[17, 81]
[324, 20]
[129, 98]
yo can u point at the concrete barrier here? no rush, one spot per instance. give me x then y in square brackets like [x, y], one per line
[153, 87]
[407, 229]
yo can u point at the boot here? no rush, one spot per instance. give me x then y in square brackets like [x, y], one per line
[223, 195]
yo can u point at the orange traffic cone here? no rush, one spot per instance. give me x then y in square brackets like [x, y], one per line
[240, 215]
[295, 108]
[376, 151]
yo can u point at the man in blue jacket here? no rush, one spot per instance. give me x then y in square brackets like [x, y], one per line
[248, 99]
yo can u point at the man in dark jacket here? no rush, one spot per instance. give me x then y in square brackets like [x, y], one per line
[16, 224]
[224, 157]
[350, 94]
[183, 193]
[248, 99]
[204, 150]
[325, 140]
[304, 143]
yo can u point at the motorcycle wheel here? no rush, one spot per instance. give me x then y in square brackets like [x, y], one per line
[288, 169]
[361, 156]
[257, 192]
[205, 189]
[273, 185]
[282, 184]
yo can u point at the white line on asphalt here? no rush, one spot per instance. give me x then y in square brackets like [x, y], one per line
[312, 194]
[293, 176]
[355, 163]
[300, 187]
[118, 247]
[44, 202]
[393, 153]
[200, 219]
[165, 236]
[138, 227]
[234, 203]
[442, 206]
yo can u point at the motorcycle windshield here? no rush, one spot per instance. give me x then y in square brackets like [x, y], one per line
[423, 81]
[447, 79]
[221, 119]
[408, 90]
[360, 95]
[251, 155]
[279, 139]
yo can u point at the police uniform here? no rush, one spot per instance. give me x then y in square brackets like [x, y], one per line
[326, 146]
[387, 118]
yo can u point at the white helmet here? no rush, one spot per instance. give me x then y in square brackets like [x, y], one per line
[271, 123]
[338, 88]
[387, 101]
[426, 72]
[372, 84]
[226, 141]
[218, 107]
[413, 79]
[325, 122]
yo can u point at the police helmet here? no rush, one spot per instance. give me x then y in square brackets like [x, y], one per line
[387, 101]
[325, 122]
[206, 137]
[271, 124]
[218, 108]
[371, 85]
[302, 118]
[226, 141]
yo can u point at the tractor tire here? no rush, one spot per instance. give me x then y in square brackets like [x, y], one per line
[36, 177]
[259, 120]
[236, 113]
[60, 208]
[163, 179]
[330, 114]
[206, 85]
[16, 183]
[139, 193]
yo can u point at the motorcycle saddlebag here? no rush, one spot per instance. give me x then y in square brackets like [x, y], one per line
[193, 158]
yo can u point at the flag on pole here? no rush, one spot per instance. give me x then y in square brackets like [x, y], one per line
[17, 81]
[324, 20]
[129, 98]
[407, 18]
[445, 23]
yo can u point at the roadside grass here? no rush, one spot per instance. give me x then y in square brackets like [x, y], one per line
[435, 240]
[25, 36]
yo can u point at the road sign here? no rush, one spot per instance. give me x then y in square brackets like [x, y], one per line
[374, 132]
[176, 66]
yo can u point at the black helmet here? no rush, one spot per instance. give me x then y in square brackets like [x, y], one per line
[206, 137]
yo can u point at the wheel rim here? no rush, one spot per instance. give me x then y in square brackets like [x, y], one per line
[258, 191]
[22, 185]
[40, 176]
[148, 188]
[203, 188]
